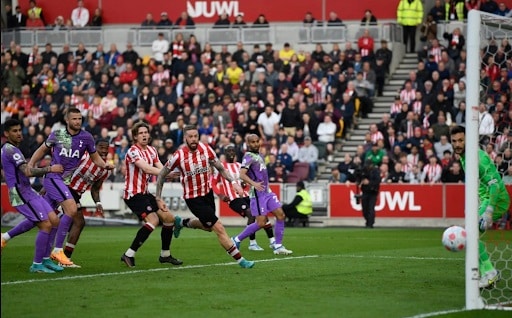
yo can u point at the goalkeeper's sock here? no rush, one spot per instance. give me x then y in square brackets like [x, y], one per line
[485, 264]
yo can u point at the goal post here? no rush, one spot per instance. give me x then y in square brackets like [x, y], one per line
[473, 299]
[482, 28]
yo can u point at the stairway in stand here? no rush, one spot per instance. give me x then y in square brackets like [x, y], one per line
[382, 105]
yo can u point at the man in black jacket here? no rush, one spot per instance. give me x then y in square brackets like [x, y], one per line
[369, 183]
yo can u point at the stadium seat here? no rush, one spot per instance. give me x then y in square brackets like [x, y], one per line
[301, 169]
[292, 177]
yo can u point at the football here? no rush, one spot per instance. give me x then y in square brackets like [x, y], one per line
[454, 238]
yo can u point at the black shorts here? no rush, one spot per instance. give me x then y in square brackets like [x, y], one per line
[142, 204]
[203, 208]
[240, 205]
[76, 196]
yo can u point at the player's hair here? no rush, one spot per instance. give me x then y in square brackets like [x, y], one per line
[188, 128]
[458, 130]
[135, 128]
[73, 110]
[100, 140]
[11, 123]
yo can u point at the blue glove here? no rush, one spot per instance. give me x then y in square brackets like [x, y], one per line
[486, 221]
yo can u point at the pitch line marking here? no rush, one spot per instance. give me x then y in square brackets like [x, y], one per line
[30, 281]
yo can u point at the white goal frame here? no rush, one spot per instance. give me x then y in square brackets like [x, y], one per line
[473, 47]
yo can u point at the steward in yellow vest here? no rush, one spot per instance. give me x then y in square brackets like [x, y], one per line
[301, 206]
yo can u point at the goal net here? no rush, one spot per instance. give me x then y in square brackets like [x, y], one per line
[488, 94]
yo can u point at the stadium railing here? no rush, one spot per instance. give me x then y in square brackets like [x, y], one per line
[143, 37]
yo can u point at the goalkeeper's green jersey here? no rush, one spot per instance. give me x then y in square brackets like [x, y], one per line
[491, 186]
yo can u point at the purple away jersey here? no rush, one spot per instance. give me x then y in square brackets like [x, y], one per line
[20, 191]
[257, 171]
[67, 150]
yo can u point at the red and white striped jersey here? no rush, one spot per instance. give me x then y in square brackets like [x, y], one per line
[136, 180]
[227, 187]
[195, 169]
[376, 136]
[87, 174]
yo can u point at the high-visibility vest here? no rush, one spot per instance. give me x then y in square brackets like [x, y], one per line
[306, 205]
[459, 9]
[37, 11]
[409, 14]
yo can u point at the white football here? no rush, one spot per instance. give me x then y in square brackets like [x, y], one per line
[454, 238]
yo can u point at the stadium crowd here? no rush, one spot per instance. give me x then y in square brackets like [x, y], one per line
[302, 104]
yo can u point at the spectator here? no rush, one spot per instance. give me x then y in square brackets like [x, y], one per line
[159, 47]
[454, 10]
[148, 22]
[309, 20]
[334, 20]
[473, 5]
[442, 145]
[164, 20]
[346, 168]
[222, 21]
[456, 43]
[11, 18]
[366, 45]
[268, 123]
[375, 154]
[396, 175]
[309, 154]
[285, 158]
[34, 22]
[437, 11]
[261, 22]
[97, 19]
[489, 6]
[239, 22]
[80, 15]
[428, 30]
[20, 19]
[502, 10]
[432, 171]
[184, 21]
[112, 55]
[37, 11]
[368, 19]
[486, 126]
[336, 176]
[409, 15]
[326, 132]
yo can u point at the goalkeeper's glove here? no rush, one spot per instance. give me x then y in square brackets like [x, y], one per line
[485, 221]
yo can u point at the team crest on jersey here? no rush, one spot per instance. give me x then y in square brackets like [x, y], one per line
[202, 157]
[81, 143]
[149, 208]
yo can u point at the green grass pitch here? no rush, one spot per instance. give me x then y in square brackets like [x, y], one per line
[333, 272]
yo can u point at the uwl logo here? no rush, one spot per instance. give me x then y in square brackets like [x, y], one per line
[200, 8]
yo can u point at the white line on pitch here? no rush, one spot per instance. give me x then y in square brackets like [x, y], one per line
[397, 257]
[29, 281]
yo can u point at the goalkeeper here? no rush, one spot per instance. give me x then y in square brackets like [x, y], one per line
[493, 197]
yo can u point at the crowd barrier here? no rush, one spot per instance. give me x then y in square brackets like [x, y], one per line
[144, 37]
[334, 204]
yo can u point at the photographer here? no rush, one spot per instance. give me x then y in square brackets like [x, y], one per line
[368, 181]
